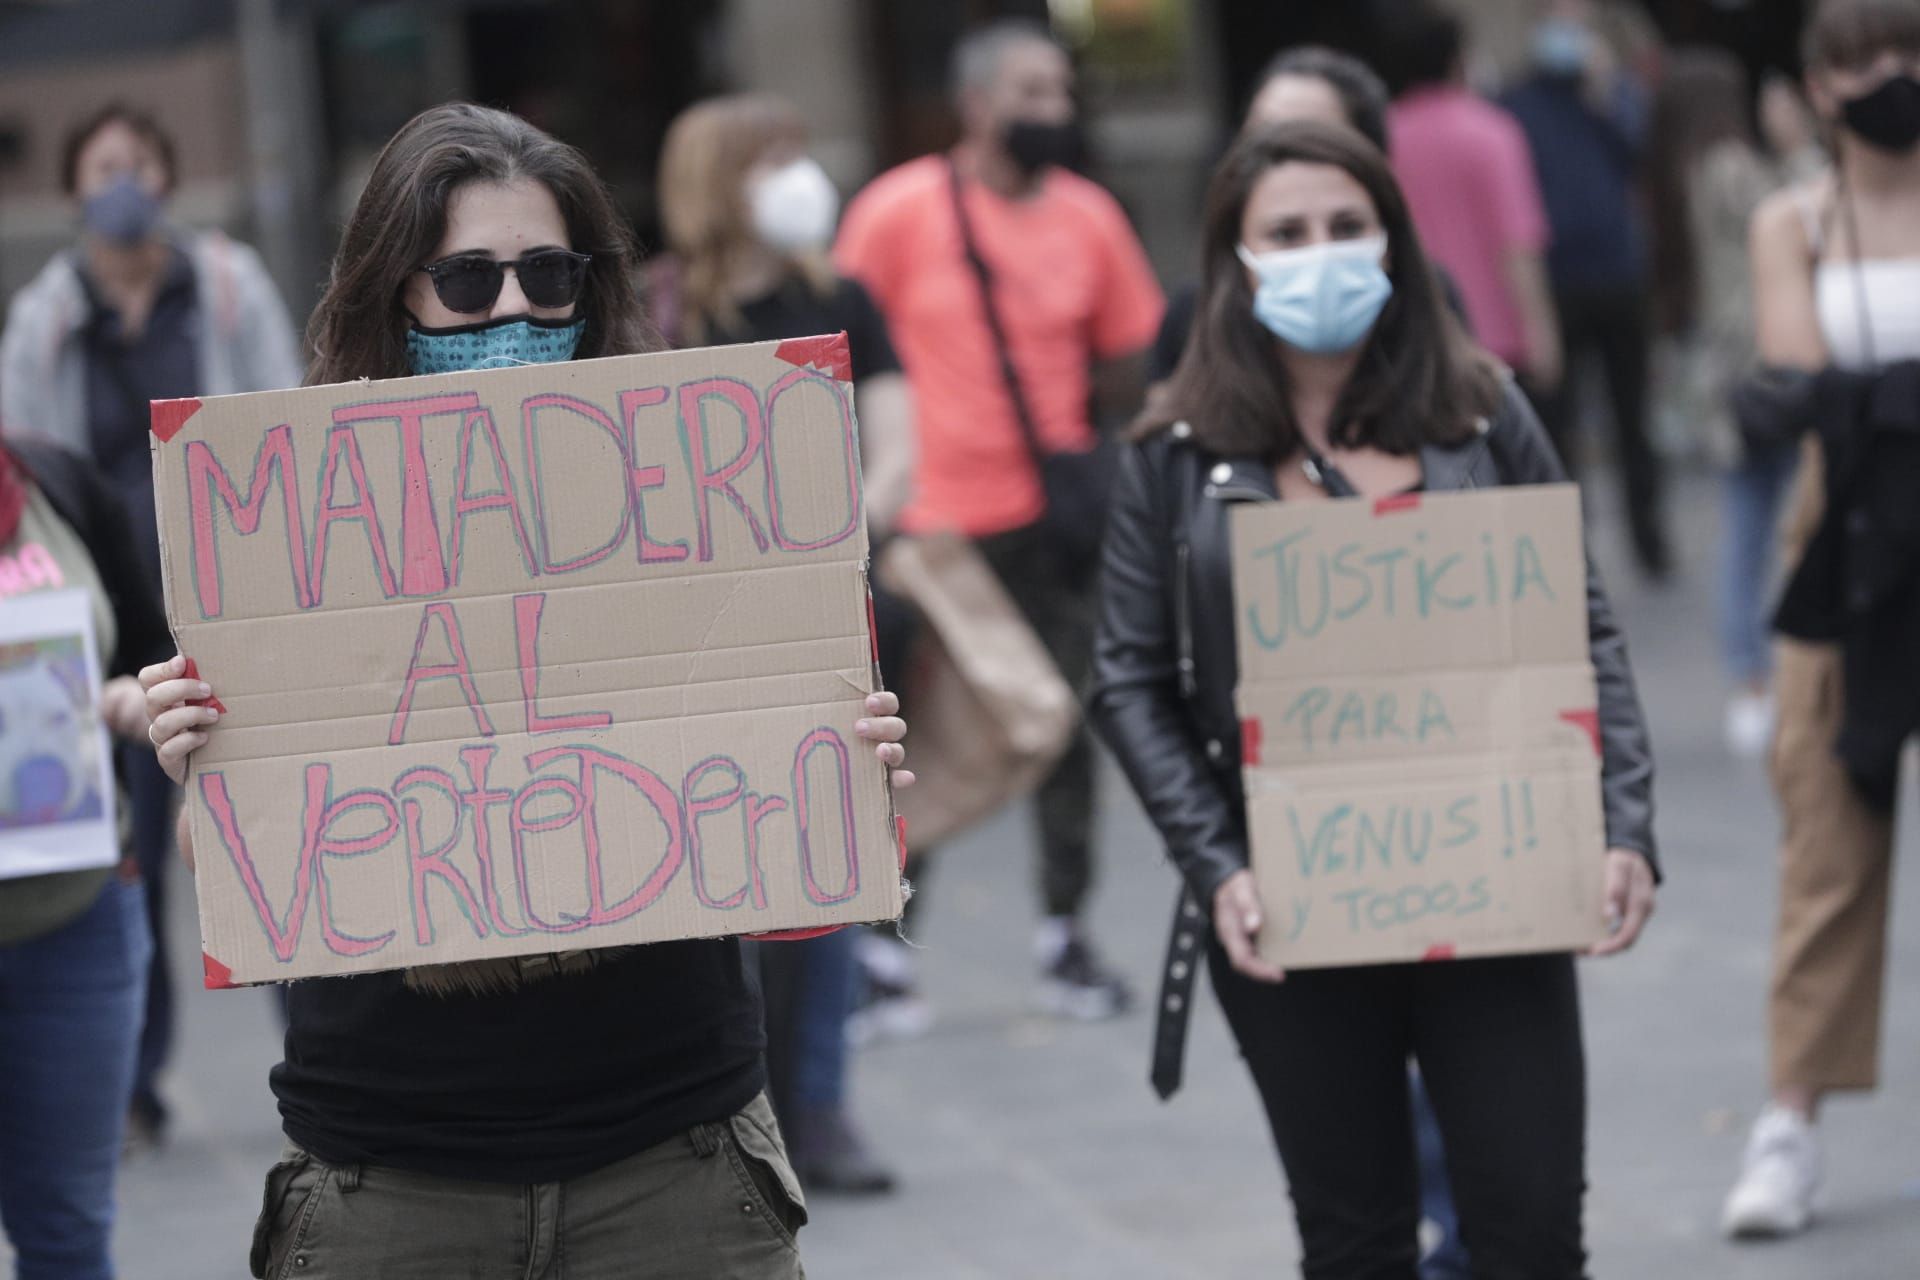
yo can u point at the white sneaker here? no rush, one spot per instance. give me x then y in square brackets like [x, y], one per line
[1774, 1196]
[1749, 725]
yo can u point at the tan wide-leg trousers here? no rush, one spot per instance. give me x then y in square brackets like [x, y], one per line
[1836, 860]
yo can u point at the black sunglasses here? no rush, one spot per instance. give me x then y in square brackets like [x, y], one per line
[470, 282]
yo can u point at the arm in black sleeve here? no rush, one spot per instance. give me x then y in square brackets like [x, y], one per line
[96, 513]
[1626, 765]
[1136, 701]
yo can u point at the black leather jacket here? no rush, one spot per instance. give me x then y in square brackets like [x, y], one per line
[1164, 664]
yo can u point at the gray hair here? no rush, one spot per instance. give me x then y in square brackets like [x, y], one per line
[979, 53]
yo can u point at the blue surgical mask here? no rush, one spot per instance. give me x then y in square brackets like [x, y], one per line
[125, 212]
[493, 344]
[1323, 298]
[1561, 47]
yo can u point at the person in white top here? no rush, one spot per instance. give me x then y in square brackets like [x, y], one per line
[1836, 264]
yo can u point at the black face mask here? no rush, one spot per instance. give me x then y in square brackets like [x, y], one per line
[1887, 118]
[1034, 145]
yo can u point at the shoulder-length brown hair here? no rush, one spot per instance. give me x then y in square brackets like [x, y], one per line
[359, 330]
[703, 204]
[1419, 380]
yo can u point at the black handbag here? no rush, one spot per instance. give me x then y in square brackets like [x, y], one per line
[1078, 484]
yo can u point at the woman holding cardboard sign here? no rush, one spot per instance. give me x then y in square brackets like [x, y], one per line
[604, 1109]
[1324, 363]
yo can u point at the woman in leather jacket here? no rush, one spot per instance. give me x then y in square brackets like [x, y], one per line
[1325, 364]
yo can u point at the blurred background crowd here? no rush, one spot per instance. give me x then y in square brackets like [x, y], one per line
[1582, 172]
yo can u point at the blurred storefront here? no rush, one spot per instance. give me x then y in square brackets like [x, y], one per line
[279, 105]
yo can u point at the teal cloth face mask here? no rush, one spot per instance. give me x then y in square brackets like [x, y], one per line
[493, 344]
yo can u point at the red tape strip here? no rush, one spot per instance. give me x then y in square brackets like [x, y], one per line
[168, 416]
[193, 673]
[1396, 502]
[1439, 951]
[1588, 720]
[827, 352]
[216, 975]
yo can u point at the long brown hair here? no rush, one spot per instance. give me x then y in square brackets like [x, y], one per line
[1850, 33]
[703, 205]
[1419, 380]
[359, 329]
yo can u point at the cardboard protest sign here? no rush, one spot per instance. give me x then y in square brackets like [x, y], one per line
[537, 659]
[56, 773]
[1418, 709]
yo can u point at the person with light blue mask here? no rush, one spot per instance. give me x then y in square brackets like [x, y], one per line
[1324, 364]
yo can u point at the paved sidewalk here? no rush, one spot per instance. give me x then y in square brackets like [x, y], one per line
[1030, 1149]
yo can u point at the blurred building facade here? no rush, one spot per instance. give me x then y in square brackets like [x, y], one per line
[280, 105]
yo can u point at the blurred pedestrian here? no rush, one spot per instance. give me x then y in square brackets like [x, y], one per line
[749, 216]
[1585, 119]
[1836, 267]
[74, 945]
[1324, 341]
[1304, 83]
[623, 1121]
[1017, 294]
[137, 310]
[1709, 171]
[1468, 175]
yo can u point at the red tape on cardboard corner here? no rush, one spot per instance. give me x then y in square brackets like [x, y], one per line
[168, 416]
[829, 353]
[193, 673]
[1588, 720]
[217, 976]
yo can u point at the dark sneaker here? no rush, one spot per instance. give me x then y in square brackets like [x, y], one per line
[1079, 987]
[831, 1158]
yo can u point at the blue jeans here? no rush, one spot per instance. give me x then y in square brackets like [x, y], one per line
[70, 1011]
[1751, 494]
[829, 981]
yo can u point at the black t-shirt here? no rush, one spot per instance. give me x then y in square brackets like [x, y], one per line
[796, 310]
[546, 1082]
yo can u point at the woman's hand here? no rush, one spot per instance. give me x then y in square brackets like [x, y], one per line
[1629, 896]
[178, 730]
[1237, 918]
[884, 726]
[123, 706]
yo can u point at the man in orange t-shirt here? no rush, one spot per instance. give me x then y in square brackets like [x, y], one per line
[1078, 304]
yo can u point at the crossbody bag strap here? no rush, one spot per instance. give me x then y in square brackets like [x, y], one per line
[1022, 412]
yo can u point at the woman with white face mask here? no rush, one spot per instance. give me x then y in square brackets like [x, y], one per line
[1324, 364]
[749, 217]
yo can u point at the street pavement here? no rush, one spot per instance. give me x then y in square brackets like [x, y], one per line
[1027, 1148]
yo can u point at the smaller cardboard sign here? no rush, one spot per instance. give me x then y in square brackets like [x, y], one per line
[1417, 704]
[56, 771]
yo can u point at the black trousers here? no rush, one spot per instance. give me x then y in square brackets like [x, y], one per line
[1498, 1043]
[1061, 612]
[152, 799]
[1612, 325]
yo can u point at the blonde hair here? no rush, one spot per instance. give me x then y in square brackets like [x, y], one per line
[703, 206]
